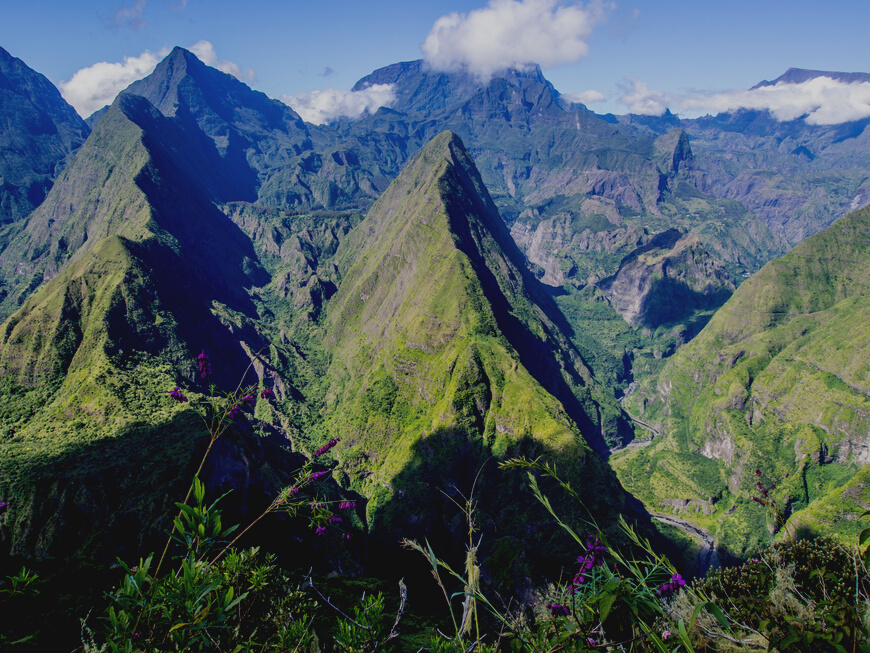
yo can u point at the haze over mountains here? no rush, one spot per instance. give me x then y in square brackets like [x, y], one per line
[479, 270]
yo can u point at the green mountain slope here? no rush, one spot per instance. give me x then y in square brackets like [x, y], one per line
[154, 273]
[777, 381]
[444, 356]
[107, 189]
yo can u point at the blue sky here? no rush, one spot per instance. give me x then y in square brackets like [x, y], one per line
[631, 54]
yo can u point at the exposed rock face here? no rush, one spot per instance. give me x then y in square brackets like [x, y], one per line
[666, 280]
[557, 247]
[675, 144]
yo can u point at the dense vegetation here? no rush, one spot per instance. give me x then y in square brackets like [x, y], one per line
[777, 382]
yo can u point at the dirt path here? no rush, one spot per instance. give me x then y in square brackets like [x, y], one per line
[638, 443]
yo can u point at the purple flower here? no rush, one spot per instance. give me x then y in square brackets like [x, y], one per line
[334, 519]
[294, 490]
[666, 634]
[578, 580]
[558, 610]
[320, 530]
[315, 476]
[177, 395]
[673, 585]
[592, 557]
[346, 505]
[266, 393]
[4, 506]
[248, 400]
[329, 445]
[234, 411]
[204, 364]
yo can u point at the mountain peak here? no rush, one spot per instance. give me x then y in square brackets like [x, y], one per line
[250, 131]
[182, 80]
[420, 88]
[436, 313]
[180, 68]
[800, 75]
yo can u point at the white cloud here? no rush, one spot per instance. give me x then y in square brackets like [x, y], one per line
[321, 107]
[513, 34]
[821, 101]
[94, 87]
[639, 99]
[586, 97]
[131, 16]
[206, 53]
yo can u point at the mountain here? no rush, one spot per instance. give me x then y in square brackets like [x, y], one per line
[38, 131]
[801, 75]
[449, 328]
[241, 147]
[694, 281]
[553, 166]
[147, 253]
[580, 193]
[145, 271]
[777, 381]
[445, 356]
[795, 176]
[248, 132]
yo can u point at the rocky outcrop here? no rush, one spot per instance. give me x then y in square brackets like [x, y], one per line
[568, 255]
[666, 280]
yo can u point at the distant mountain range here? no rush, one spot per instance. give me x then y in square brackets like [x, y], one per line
[477, 271]
[800, 75]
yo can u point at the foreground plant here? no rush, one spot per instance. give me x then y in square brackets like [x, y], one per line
[809, 595]
[244, 602]
[611, 602]
[218, 598]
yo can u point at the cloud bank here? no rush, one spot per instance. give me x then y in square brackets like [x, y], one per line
[94, 87]
[586, 97]
[513, 34]
[321, 107]
[820, 101]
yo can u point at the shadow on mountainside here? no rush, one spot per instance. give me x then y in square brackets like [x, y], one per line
[520, 543]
